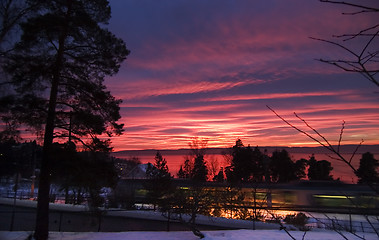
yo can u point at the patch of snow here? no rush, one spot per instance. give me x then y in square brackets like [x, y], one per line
[209, 235]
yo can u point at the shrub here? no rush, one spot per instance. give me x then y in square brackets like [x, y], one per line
[299, 220]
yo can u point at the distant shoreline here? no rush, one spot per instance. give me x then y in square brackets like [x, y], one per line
[345, 149]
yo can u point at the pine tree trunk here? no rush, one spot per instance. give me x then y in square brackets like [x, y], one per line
[42, 219]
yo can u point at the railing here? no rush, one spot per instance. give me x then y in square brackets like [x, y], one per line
[24, 219]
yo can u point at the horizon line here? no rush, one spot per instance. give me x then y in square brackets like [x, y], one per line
[319, 146]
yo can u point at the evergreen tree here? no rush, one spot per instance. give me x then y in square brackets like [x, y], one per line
[159, 184]
[57, 70]
[300, 166]
[242, 165]
[319, 170]
[200, 170]
[367, 171]
[247, 164]
[282, 167]
[161, 167]
[12, 14]
[185, 169]
[258, 170]
[194, 166]
[82, 172]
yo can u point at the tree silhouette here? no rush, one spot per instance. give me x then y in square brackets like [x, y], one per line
[247, 164]
[82, 172]
[367, 171]
[282, 167]
[159, 183]
[185, 170]
[18, 158]
[319, 170]
[242, 163]
[220, 176]
[57, 70]
[159, 169]
[362, 59]
[194, 166]
[195, 199]
[300, 166]
[199, 171]
[12, 13]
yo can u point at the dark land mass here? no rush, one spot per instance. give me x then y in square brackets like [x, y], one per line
[344, 149]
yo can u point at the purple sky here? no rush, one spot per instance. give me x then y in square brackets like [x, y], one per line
[208, 68]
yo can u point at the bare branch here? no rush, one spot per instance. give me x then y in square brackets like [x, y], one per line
[364, 59]
[365, 8]
[372, 225]
[361, 33]
[282, 227]
[296, 128]
[355, 151]
[368, 44]
[305, 233]
[336, 44]
[334, 158]
[327, 146]
[341, 133]
[315, 131]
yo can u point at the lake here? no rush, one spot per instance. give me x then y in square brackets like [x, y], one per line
[215, 158]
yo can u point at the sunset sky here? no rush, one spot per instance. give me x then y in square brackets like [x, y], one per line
[208, 68]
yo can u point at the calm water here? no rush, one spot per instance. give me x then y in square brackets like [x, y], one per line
[340, 169]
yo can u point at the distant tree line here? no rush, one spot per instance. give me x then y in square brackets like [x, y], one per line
[248, 164]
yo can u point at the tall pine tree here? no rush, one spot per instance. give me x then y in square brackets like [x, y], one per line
[57, 70]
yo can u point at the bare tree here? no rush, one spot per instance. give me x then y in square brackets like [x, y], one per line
[363, 59]
[213, 166]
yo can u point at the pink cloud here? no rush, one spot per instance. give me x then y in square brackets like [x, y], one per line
[230, 67]
[278, 95]
[149, 88]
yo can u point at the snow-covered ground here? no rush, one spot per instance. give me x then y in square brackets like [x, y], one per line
[209, 235]
[267, 231]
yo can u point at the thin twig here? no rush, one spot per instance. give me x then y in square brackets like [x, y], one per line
[361, 33]
[329, 146]
[305, 233]
[341, 133]
[355, 151]
[336, 44]
[296, 128]
[365, 8]
[282, 227]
